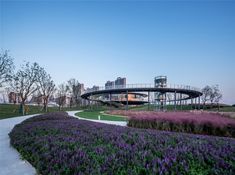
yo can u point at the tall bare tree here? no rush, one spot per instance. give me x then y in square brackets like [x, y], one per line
[206, 93]
[61, 95]
[6, 67]
[75, 89]
[46, 87]
[24, 82]
[211, 94]
[216, 95]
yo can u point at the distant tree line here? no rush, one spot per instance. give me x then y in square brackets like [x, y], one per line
[32, 79]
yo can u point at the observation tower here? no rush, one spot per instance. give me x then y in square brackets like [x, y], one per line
[160, 97]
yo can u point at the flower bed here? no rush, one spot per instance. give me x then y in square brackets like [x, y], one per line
[190, 122]
[59, 144]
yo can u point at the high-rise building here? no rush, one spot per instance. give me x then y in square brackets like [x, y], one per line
[109, 84]
[81, 88]
[14, 97]
[120, 81]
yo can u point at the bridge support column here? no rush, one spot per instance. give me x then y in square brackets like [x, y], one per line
[181, 102]
[165, 103]
[89, 104]
[148, 100]
[126, 100]
[110, 98]
[191, 103]
[195, 106]
[175, 100]
[199, 103]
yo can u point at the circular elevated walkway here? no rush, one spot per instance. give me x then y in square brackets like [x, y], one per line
[189, 91]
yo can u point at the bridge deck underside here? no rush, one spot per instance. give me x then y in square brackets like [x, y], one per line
[190, 93]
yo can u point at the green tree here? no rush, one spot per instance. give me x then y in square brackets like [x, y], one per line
[46, 87]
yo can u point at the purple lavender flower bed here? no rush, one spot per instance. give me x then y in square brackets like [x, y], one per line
[58, 144]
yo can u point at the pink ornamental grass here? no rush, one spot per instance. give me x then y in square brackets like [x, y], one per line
[194, 122]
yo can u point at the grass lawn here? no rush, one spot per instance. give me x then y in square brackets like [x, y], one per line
[94, 116]
[225, 109]
[11, 110]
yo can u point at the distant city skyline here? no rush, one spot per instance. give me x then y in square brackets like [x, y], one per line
[190, 42]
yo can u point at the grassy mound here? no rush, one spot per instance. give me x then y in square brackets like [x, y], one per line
[59, 144]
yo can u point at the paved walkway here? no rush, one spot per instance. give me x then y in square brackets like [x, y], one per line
[10, 162]
[120, 123]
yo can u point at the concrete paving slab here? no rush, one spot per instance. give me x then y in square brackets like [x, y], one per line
[10, 161]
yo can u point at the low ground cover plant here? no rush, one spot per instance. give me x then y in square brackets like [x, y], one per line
[191, 122]
[55, 143]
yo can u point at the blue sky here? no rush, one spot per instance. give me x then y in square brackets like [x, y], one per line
[191, 42]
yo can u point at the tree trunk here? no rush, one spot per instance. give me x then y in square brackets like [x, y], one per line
[70, 104]
[76, 104]
[23, 107]
[45, 102]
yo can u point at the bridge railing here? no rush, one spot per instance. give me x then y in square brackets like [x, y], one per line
[129, 86]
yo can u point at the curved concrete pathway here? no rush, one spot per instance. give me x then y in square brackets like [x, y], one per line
[10, 161]
[120, 123]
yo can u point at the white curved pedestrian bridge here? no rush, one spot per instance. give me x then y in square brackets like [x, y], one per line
[189, 92]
